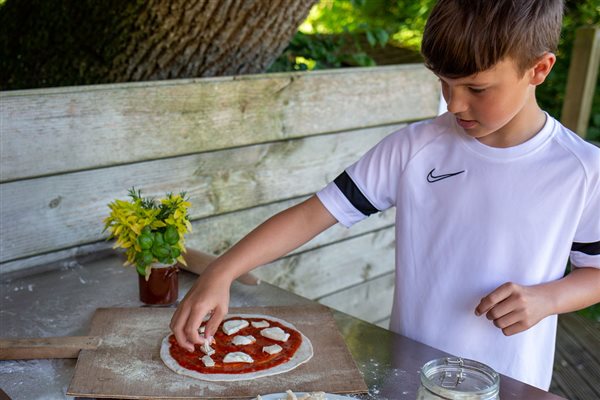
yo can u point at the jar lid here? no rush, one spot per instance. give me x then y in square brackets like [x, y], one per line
[460, 378]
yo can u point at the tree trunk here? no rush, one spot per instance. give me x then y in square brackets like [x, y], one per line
[74, 42]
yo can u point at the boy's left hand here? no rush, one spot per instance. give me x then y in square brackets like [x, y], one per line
[514, 308]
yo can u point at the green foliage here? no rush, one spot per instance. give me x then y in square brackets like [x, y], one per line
[329, 36]
[403, 22]
[309, 52]
[579, 13]
[149, 231]
[592, 312]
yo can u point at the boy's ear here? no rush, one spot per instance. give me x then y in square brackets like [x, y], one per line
[542, 68]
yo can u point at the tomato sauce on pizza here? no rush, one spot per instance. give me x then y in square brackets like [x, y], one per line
[224, 345]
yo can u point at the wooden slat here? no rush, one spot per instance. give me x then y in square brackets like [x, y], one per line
[72, 129]
[370, 301]
[577, 359]
[580, 360]
[586, 332]
[53, 213]
[581, 83]
[218, 233]
[568, 378]
[330, 268]
[213, 235]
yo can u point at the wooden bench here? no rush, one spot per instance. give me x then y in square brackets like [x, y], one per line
[243, 148]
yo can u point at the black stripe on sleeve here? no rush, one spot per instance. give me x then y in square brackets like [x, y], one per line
[354, 195]
[591, 249]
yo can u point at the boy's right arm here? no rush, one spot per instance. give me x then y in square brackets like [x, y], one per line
[272, 239]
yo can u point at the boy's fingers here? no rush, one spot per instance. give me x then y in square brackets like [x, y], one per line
[515, 328]
[488, 302]
[507, 320]
[177, 322]
[213, 323]
[500, 310]
[192, 325]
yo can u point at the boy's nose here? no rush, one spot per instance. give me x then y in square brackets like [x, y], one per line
[456, 104]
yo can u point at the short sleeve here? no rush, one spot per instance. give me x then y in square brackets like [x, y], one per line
[585, 251]
[367, 186]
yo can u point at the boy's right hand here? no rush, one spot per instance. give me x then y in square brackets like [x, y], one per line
[209, 295]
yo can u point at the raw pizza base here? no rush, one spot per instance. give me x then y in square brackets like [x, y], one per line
[302, 355]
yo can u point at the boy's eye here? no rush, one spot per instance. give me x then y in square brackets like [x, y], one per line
[476, 90]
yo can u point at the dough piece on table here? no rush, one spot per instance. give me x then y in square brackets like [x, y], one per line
[260, 324]
[274, 349]
[233, 326]
[208, 362]
[236, 357]
[275, 333]
[240, 340]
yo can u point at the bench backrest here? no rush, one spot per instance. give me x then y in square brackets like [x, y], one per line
[242, 147]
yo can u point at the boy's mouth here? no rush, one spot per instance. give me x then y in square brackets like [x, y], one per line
[466, 123]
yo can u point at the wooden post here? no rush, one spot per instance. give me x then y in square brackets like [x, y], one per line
[583, 72]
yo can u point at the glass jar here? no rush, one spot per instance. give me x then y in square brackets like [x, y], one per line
[458, 378]
[162, 286]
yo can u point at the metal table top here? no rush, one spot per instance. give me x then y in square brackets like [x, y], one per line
[62, 302]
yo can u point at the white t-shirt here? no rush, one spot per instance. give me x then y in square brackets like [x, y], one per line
[471, 217]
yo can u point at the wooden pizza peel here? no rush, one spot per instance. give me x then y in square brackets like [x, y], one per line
[121, 358]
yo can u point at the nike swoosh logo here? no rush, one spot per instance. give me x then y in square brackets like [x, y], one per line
[432, 178]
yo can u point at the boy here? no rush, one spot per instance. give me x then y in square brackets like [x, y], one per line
[492, 198]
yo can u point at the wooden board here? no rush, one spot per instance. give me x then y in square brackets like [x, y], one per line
[80, 128]
[370, 301]
[348, 263]
[34, 210]
[127, 365]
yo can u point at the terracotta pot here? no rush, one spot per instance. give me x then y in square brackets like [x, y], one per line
[162, 287]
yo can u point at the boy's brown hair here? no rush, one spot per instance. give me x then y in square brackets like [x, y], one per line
[463, 37]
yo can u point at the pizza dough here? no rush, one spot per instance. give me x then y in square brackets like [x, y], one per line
[303, 354]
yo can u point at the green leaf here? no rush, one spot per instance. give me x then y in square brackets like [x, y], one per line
[147, 257]
[141, 269]
[382, 36]
[371, 38]
[161, 251]
[145, 240]
[171, 235]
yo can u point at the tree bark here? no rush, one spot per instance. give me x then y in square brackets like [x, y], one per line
[75, 42]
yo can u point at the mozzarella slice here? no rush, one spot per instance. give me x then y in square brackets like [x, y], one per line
[207, 349]
[275, 333]
[208, 362]
[234, 325]
[273, 349]
[236, 357]
[260, 324]
[243, 340]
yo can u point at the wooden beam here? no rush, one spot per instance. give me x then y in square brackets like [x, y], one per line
[52, 131]
[581, 83]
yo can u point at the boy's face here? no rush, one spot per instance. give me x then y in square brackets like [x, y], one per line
[497, 106]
